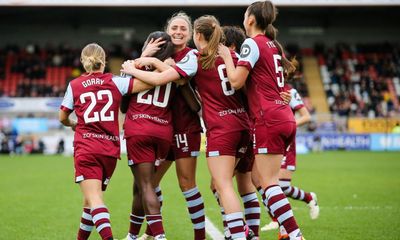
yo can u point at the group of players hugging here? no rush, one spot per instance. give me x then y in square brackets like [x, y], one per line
[246, 106]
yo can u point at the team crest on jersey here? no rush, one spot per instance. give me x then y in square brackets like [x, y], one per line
[245, 51]
[185, 59]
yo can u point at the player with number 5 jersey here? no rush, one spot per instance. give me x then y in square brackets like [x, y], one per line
[261, 67]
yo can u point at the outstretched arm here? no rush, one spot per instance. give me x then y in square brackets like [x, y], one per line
[152, 78]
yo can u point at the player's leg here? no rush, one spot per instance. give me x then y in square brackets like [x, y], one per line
[285, 178]
[251, 205]
[92, 192]
[270, 145]
[186, 172]
[86, 224]
[144, 173]
[137, 214]
[161, 170]
[221, 169]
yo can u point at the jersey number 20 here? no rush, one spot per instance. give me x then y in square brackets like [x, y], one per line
[102, 116]
[153, 99]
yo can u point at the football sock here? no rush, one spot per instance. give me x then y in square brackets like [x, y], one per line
[86, 225]
[294, 192]
[236, 225]
[252, 211]
[101, 219]
[195, 205]
[135, 224]
[280, 208]
[155, 224]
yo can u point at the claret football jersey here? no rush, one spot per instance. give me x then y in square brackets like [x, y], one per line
[95, 98]
[266, 80]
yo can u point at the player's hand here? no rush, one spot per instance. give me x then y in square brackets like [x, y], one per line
[144, 61]
[286, 96]
[73, 125]
[169, 61]
[152, 47]
[128, 67]
[223, 51]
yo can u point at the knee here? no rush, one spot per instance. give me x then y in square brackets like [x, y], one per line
[186, 182]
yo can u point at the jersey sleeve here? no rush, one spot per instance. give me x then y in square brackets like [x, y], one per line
[68, 101]
[296, 102]
[124, 84]
[249, 54]
[187, 67]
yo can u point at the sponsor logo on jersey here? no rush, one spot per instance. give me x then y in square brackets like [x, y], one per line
[245, 51]
[185, 59]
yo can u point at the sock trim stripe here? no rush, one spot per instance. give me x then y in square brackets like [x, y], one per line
[197, 214]
[234, 216]
[87, 228]
[191, 192]
[249, 197]
[195, 202]
[278, 205]
[252, 210]
[102, 226]
[99, 216]
[200, 225]
[87, 216]
[283, 217]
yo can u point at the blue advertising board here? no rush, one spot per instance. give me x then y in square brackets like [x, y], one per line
[333, 141]
[385, 142]
[30, 125]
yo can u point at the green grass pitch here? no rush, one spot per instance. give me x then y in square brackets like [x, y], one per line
[359, 196]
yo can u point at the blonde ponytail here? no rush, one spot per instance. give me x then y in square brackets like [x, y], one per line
[93, 57]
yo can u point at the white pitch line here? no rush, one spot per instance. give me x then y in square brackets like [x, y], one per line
[213, 231]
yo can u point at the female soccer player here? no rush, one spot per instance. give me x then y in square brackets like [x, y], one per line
[95, 97]
[263, 61]
[148, 133]
[187, 130]
[224, 115]
[288, 165]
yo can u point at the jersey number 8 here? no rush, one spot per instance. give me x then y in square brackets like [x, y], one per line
[226, 86]
[93, 101]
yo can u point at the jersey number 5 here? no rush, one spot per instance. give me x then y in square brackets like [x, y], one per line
[93, 101]
[279, 70]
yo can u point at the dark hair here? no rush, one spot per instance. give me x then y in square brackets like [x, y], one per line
[210, 28]
[234, 36]
[265, 14]
[166, 50]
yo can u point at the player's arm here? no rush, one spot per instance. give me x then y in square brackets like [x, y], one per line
[304, 118]
[63, 116]
[151, 78]
[190, 98]
[236, 75]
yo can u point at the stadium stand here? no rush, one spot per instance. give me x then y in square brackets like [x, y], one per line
[361, 80]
